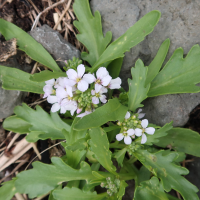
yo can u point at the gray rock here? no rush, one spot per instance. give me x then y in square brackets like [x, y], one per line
[11, 98]
[180, 22]
[194, 174]
[55, 44]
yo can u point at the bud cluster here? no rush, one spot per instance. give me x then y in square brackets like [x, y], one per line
[133, 147]
[112, 185]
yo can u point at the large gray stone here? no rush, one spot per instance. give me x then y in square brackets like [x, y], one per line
[55, 44]
[180, 22]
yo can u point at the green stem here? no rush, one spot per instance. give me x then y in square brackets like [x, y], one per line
[117, 145]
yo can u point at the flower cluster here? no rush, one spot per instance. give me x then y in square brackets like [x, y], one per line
[112, 186]
[79, 91]
[132, 126]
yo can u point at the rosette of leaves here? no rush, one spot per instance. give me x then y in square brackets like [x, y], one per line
[90, 141]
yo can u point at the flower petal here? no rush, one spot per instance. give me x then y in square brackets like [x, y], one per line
[115, 83]
[97, 87]
[69, 91]
[82, 85]
[119, 136]
[150, 130]
[144, 123]
[55, 107]
[130, 132]
[61, 93]
[84, 114]
[81, 70]
[93, 92]
[144, 139]
[52, 99]
[127, 140]
[89, 78]
[106, 80]
[50, 82]
[101, 72]
[141, 115]
[103, 98]
[103, 90]
[95, 100]
[128, 114]
[138, 132]
[72, 74]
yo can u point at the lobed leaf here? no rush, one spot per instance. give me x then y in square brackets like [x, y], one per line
[44, 178]
[15, 79]
[119, 155]
[46, 75]
[137, 89]
[27, 44]
[151, 189]
[181, 139]
[77, 194]
[157, 62]
[42, 124]
[164, 168]
[90, 29]
[180, 75]
[7, 190]
[100, 146]
[111, 111]
[129, 39]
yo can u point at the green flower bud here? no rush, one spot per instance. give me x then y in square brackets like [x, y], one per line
[133, 117]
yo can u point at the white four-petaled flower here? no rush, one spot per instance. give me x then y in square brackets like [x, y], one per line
[126, 136]
[79, 78]
[141, 132]
[98, 94]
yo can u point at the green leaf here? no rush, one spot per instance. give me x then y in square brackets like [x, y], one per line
[157, 62]
[40, 121]
[80, 144]
[27, 44]
[114, 67]
[111, 111]
[46, 75]
[180, 75]
[44, 178]
[158, 135]
[122, 188]
[129, 39]
[137, 90]
[170, 174]
[100, 146]
[119, 155]
[90, 29]
[143, 175]
[15, 79]
[77, 194]
[16, 125]
[51, 195]
[7, 190]
[181, 139]
[151, 189]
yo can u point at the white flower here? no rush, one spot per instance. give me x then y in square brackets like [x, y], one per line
[141, 115]
[149, 130]
[115, 83]
[98, 94]
[103, 78]
[126, 136]
[69, 105]
[57, 104]
[48, 88]
[62, 93]
[78, 78]
[84, 114]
